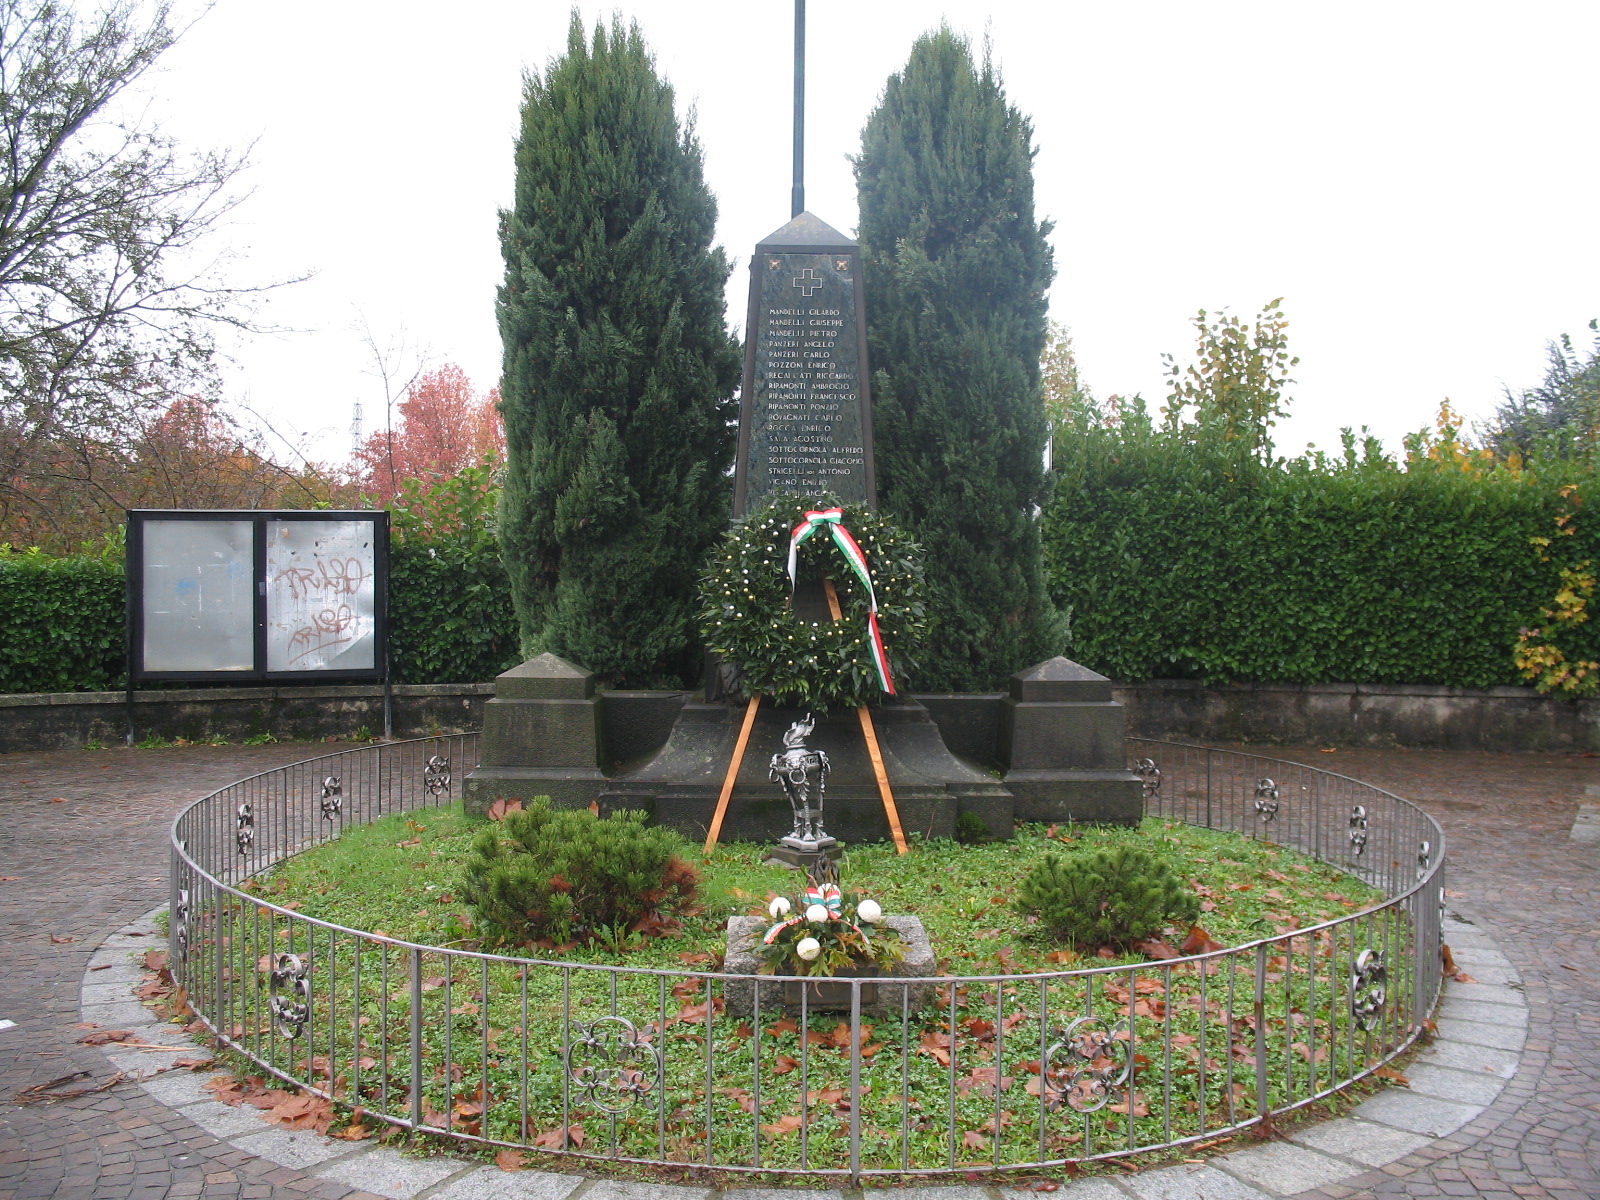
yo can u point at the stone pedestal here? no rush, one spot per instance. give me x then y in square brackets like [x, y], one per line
[1062, 747]
[541, 737]
[911, 979]
[681, 783]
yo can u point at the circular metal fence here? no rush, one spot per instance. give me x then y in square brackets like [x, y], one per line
[695, 1068]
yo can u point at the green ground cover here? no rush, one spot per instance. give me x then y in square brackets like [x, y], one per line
[985, 1076]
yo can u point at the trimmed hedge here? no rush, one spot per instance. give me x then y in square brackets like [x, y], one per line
[61, 623]
[1175, 560]
[1179, 560]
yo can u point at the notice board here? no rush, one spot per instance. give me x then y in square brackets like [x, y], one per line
[261, 595]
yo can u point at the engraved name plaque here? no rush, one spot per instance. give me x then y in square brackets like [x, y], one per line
[805, 422]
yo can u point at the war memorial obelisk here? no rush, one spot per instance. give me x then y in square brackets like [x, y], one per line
[1057, 737]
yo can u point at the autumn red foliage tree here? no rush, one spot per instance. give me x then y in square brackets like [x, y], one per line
[445, 426]
[188, 453]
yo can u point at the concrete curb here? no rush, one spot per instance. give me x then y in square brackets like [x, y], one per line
[1482, 1028]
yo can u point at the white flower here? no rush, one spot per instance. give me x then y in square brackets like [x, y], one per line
[817, 914]
[869, 911]
[779, 908]
[808, 948]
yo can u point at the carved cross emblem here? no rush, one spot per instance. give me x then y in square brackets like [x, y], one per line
[807, 281]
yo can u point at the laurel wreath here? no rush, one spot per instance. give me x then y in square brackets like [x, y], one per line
[746, 618]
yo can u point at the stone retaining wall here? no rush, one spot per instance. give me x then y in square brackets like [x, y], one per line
[1419, 716]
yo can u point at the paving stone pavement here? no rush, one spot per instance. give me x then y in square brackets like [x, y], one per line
[83, 839]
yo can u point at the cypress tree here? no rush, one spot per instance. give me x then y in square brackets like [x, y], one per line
[956, 272]
[619, 370]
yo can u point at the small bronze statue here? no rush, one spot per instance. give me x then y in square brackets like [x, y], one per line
[804, 776]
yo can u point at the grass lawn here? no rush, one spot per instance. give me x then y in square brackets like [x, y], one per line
[990, 1075]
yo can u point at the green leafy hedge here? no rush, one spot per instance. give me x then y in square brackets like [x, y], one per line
[61, 623]
[1180, 560]
[450, 614]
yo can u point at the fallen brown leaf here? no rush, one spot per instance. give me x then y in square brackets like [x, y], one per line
[104, 1036]
[511, 1160]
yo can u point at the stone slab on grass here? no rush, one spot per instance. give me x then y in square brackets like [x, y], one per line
[491, 1183]
[1282, 1168]
[1420, 1114]
[390, 1173]
[1362, 1142]
[118, 1014]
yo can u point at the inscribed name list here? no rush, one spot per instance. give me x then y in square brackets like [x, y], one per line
[806, 430]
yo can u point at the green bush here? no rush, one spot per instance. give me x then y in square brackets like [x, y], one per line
[61, 623]
[450, 614]
[1108, 897]
[559, 876]
[1185, 560]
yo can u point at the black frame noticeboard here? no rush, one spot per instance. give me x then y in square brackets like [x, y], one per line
[211, 599]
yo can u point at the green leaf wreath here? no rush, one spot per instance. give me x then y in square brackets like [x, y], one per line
[745, 615]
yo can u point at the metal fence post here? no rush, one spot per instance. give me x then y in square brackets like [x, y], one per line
[416, 1038]
[1261, 1030]
[855, 1083]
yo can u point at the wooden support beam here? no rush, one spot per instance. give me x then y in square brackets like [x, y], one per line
[890, 809]
[733, 774]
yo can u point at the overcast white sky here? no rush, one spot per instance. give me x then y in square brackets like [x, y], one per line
[1415, 179]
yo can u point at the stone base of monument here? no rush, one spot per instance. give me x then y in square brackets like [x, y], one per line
[1053, 748]
[809, 859]
[682, 782]
[1063, 746]
[541, 737]
[909, 982]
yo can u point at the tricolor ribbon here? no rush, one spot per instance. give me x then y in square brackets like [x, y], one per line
[831, 897]
[832, 519]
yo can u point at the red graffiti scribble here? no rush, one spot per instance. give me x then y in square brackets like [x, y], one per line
[324, 631]
[339, 576]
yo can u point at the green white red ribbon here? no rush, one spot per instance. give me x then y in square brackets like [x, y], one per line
[832, 519]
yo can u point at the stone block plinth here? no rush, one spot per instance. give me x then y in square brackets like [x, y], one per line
[542, 736]
[1063, 747]
[911, 978]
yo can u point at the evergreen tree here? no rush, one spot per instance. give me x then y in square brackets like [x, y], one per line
[619, 371]
[957, 269]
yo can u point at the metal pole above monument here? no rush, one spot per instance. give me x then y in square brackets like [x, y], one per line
[805, 419]
[797, 199]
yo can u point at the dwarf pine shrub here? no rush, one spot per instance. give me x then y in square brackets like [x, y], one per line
[1110, 896]
[558, 876]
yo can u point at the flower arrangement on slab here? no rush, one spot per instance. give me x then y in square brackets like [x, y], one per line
[827, 930]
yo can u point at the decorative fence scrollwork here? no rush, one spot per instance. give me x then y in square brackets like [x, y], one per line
[180, 927]
[613, 1064]
[245, 831]
[1089, 1066]
[1369, 989]
[1147, 770]
[290, 995]
[1266, 799]
[1424, 858]
[332, 797]
[436, 776]
[1358, 830]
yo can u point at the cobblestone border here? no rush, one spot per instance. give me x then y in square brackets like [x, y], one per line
[1482, 1026]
